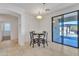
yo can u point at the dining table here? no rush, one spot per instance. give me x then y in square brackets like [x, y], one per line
[38, 37]
[38, 34]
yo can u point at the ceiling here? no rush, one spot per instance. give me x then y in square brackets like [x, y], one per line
[34, 8]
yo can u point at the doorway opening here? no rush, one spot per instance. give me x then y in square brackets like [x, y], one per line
[6, 32]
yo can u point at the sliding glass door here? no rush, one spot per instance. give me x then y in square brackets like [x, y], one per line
[70, 29]
[65, 29]
[57, 29]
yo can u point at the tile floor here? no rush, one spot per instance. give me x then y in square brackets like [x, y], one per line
[54, 49]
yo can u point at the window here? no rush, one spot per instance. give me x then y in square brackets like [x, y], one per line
[7, 27]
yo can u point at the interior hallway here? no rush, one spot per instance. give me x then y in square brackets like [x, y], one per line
[53, 49]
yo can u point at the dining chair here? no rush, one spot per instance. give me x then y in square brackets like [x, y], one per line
[44, 39]
[33, 38]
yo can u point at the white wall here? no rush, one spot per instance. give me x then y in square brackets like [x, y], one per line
[28, 23]
[46, 22]
[14, 23]
[45, 25]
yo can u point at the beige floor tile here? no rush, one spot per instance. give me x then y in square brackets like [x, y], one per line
[9, 49]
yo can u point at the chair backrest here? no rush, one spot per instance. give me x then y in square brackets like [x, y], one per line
[31, 34]
[45, 35]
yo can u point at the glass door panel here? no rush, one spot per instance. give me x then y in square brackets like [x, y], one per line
[70, 29]
[57, 29]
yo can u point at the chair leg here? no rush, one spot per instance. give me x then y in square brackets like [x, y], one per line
[30, 43]
[38, 44]
[43, 42]
[33, 42]
[46, 43]
[33, 45]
